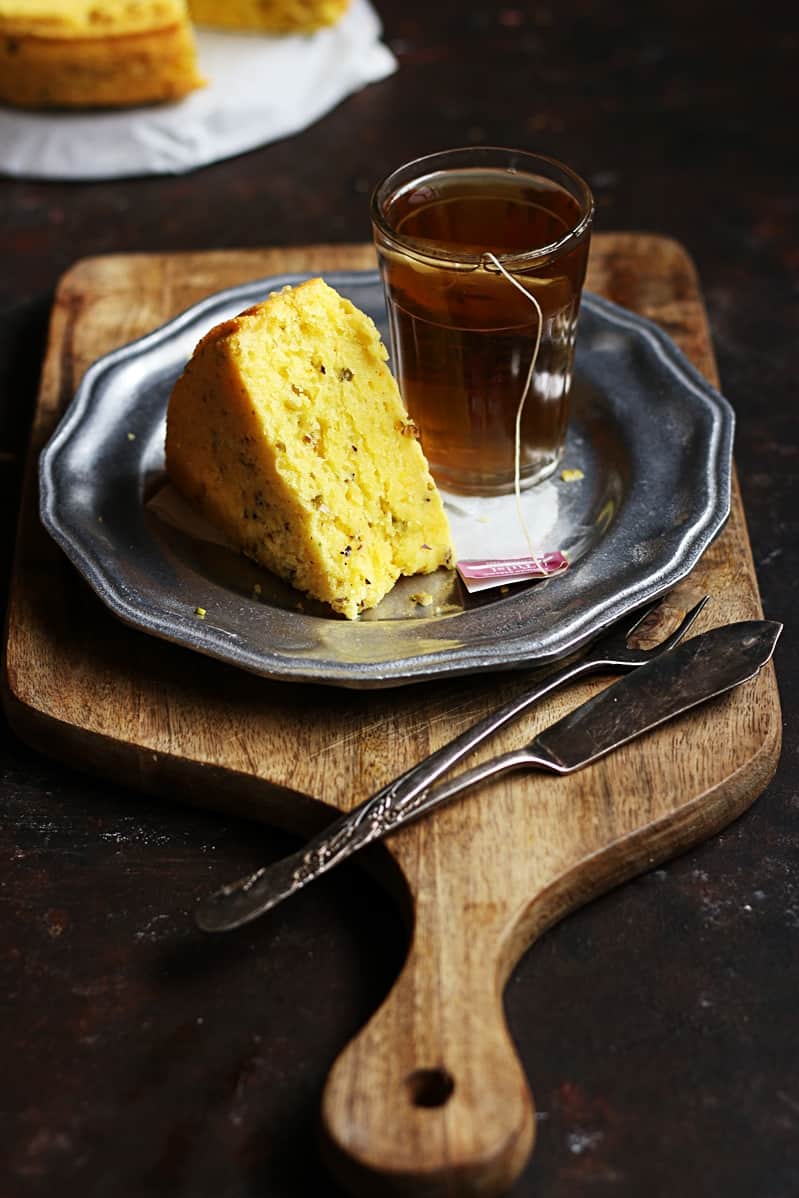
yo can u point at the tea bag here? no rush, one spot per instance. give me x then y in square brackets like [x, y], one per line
[480, 573]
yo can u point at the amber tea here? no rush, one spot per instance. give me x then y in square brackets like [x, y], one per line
[463, 335]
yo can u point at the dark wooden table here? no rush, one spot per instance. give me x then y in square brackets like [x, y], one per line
[658, 1025]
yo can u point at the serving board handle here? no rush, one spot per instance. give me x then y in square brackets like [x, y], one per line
[430, 1098]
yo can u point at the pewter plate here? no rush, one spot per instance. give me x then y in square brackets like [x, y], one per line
[653, 439]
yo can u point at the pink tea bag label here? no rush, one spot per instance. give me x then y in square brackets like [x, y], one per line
[491, 545]
[514, 568]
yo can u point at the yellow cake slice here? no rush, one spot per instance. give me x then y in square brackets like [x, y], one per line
[95, 53]
[288, 432]
[270, 16]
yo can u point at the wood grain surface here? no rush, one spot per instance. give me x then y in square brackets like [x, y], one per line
[429, 1098]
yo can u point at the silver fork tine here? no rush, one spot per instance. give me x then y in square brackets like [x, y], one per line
[393, 805]
[688, 619]
[674, 638]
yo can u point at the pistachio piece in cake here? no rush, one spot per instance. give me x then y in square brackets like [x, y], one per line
[287, 430]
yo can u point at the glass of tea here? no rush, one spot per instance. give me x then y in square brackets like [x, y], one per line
[483, 254]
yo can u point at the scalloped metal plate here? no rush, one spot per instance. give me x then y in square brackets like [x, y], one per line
[653, 439]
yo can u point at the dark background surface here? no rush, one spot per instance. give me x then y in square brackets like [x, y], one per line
[658, 1026]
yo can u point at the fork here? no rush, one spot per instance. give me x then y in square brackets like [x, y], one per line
[404, 799]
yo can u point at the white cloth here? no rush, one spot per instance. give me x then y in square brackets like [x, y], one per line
[260, 88]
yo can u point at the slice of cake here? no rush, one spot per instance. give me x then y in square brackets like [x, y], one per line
[95, 53]
[270, 16]
[288, 432]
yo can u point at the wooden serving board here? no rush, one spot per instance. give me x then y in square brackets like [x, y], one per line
[430, 1098]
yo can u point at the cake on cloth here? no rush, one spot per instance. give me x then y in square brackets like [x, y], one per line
[95, 53]
[287, 431]
[117, 53]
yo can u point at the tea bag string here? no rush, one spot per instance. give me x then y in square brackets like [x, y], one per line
[517, 443]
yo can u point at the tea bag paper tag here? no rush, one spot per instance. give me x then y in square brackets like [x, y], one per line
[491, 546]
[482, 574]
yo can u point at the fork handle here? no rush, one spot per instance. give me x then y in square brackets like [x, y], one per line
[244, 900]
[402, 800]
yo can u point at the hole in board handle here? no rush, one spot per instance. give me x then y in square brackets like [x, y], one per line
[430, 1087]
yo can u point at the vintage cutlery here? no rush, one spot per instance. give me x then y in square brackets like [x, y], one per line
[397, 802]
[667, 685]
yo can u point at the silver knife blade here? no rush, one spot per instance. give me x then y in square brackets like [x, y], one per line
[694, 672]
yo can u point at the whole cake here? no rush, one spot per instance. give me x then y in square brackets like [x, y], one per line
[79, 53]
[287, 430]
[116, 53]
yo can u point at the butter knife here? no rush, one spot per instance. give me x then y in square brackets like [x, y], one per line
[668, 685]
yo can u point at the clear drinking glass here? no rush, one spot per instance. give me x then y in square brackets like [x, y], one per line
[483, 254]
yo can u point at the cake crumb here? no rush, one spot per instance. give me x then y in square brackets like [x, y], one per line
[572, 476]
[422, 598]
[200, 612]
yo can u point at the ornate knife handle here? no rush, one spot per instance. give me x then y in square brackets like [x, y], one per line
[395, 805]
